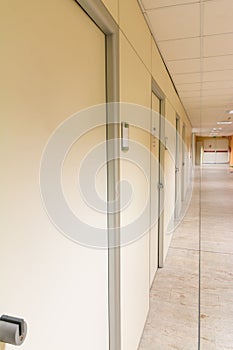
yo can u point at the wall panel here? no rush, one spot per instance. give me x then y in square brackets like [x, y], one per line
[135, 28]
[135, 87]
[169, 174]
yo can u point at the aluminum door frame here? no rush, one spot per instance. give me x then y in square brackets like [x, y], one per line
[96, 10]
[183, 163]
[161, 96]
[177, 169]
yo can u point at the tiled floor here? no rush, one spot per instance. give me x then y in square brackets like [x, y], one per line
[173, 320]
[217, 259]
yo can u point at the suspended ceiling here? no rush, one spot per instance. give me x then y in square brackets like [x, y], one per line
[195, 38]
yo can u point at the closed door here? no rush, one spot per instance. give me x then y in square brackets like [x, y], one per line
[216, 151]
[177, 170]
[154, 189]
[183, 165]
[52, 65]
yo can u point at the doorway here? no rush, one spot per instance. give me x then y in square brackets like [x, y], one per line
[177, 170]
[183, 163]
[156, 181]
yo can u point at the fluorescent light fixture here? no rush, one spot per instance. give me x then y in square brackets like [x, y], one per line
[224, 122]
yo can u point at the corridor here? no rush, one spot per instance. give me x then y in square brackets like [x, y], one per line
[109, 110]
[192, 310]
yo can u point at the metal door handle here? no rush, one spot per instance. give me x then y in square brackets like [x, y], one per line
[13, 330]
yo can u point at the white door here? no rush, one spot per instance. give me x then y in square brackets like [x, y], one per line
[154, 190]
[183, 164]
[177, 170]
[52, 65]
[216, 151]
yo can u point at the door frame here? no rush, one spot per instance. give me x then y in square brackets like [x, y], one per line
[183, 163]
[96, 10]
[161, 96]
[177, 169]
[193, 149]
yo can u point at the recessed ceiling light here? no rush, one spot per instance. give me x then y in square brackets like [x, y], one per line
[224, 122]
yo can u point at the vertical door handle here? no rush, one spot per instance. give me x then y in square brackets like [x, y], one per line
[13, 330]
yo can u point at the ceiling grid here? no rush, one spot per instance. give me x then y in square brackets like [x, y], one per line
[197, 47]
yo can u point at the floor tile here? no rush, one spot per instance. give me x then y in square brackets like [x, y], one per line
[174, 317]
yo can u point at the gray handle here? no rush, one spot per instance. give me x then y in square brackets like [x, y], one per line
[13, 330]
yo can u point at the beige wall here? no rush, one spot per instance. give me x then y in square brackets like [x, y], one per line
[135, 87]
[169, 173]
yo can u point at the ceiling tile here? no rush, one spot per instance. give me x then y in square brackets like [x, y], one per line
[204, 105]
[218, 45]
[212, 112]
[185, 66]
[194, 117]
[188, 27]
[176, 28]
[191, 98]
[206, 98]
[210, 100]
[150, 4]
[207, 112]
[189, 93]
[180, 49]
[188, 87]
[218, 17]
[217, 85]
[192, 105]
[218, 92]
[225, 75]
[213, 99]
[187, 78]
[218, 63]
